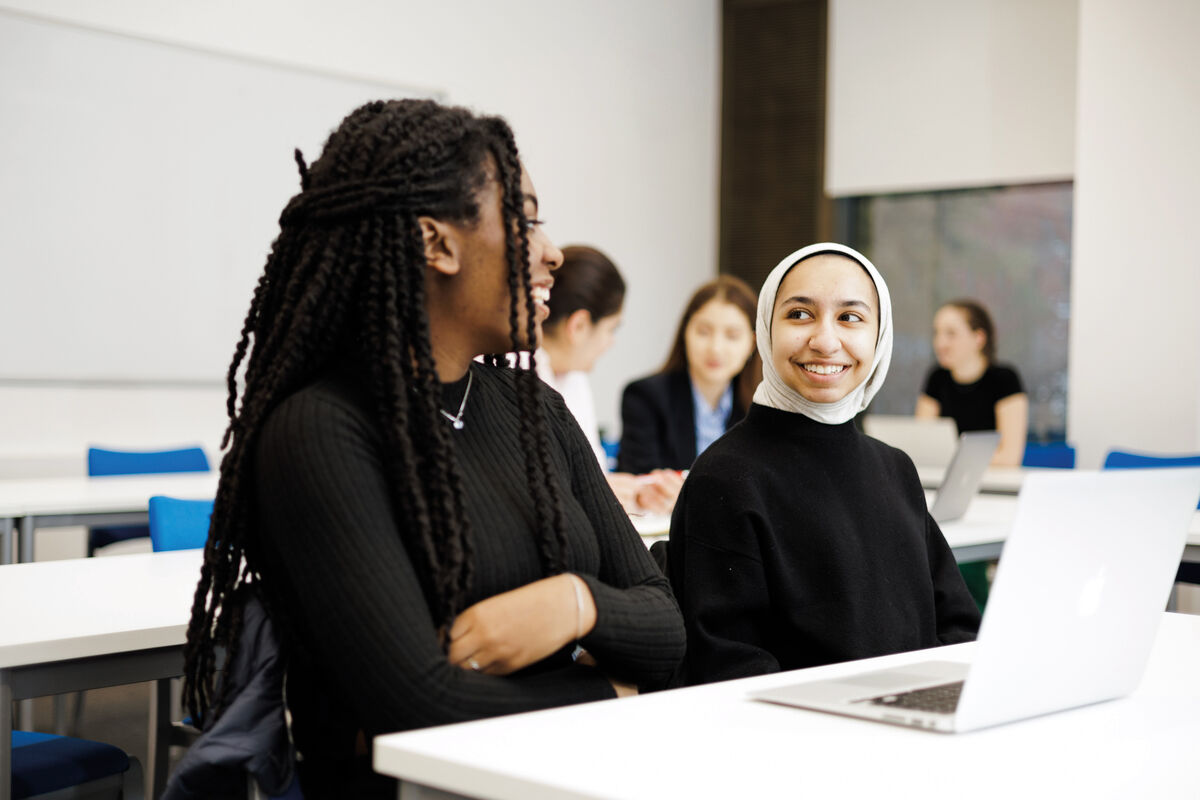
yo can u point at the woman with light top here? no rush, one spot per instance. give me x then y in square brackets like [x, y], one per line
[797, 540]
[969, 387]
[704, 388]
[585, 312]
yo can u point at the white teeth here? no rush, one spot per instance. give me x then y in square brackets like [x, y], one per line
[540, 294]
[824, 369]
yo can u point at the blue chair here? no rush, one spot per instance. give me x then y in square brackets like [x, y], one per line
[1058, 455]
[1123, 459]
[131, 462]
[178, 524]
[183, 525]
[45, 765]
[250, 745]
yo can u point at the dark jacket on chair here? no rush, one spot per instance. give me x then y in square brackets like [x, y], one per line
[658, 424]
[250, 738]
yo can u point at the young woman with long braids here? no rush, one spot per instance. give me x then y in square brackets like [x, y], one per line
[431, 535]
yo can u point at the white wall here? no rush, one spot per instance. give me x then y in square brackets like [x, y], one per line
[615, 106]
[939, 94]
[946, 93]
[1135, 322]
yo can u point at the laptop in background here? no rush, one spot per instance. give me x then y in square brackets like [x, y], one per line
[928, 442]
[1071, 617]
[964, 475]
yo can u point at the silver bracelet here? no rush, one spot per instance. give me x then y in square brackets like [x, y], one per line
[576, 580]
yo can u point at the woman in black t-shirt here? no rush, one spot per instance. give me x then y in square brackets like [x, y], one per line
[978, 394]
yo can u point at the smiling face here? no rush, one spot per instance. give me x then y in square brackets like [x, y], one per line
[718, 340]
[483, 296]
[824, 327]
[954, 343]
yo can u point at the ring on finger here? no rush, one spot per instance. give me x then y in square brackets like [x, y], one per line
[473, 664]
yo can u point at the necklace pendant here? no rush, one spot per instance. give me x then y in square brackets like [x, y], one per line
[458, 424]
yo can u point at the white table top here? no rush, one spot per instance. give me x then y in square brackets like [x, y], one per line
[713, 742]
[988, 520]
[77, 608]
[115, 493]
[997, 480]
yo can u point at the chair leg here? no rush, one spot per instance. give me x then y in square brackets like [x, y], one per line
[159, 745]
[77, 721]
[133, 787]
[60, 715]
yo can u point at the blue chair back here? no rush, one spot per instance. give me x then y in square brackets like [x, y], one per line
[1123, 459]
[135, 462]
[145, 462]
[1058, 455]
[178, 524]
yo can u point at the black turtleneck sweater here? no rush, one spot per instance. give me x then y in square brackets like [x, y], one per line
[796, 543]
[335, 550]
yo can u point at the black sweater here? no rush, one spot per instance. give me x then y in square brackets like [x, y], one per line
[334, 550]
[795, 544]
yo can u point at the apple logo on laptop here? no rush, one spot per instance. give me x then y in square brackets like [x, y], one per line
[1089, 598]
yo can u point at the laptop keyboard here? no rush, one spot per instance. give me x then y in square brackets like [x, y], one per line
[941, 699]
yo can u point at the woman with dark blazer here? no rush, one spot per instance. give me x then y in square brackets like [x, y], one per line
[705, 387]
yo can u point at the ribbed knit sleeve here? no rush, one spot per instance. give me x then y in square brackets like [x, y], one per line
[639, 632]
[334, 549]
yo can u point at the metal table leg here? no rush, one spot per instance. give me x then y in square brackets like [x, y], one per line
[159, 746]
[6, 540]
[25, 542]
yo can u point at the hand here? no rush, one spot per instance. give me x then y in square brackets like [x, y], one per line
[625, 486]
[623, 689]
[658, 490]
[512, 630]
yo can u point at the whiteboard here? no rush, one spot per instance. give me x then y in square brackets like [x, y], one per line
[140, 191]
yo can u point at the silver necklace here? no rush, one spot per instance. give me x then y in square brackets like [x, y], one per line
[457, 419]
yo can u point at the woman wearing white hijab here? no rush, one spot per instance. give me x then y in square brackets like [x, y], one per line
[798, 541]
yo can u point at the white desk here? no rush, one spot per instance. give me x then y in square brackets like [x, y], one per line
[713, 742]
[997, 480]
[978, 536]
[87, 623]
[27, 505]
[981, 533]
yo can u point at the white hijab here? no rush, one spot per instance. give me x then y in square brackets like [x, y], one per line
[773, 392]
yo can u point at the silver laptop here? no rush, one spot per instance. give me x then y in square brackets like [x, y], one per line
[928, 442]
[964, 475]
[1071, 618]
